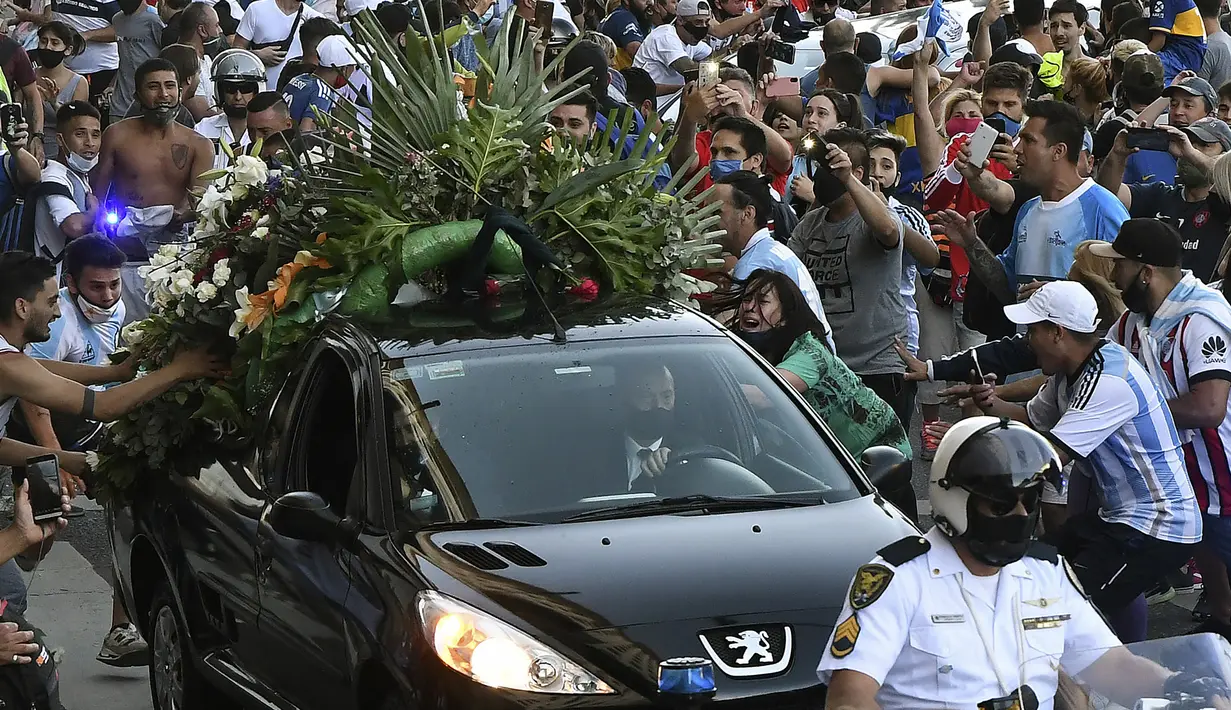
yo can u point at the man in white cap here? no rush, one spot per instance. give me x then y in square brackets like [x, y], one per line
[312, 95]
[1101, 405]
[673, 49]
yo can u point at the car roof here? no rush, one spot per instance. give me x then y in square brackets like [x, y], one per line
[436, 327]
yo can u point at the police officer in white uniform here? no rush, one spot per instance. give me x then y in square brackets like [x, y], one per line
[974, 613]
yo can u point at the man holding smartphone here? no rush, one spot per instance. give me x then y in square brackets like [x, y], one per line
[1185, 205]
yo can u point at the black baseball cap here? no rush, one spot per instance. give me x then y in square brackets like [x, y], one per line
[1013, 52]
[1145, 240]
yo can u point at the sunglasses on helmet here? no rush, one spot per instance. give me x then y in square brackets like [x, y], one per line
[239, 87]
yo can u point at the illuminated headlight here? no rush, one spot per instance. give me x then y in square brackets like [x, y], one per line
[496, 654]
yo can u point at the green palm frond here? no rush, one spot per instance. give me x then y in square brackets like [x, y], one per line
[485, 146]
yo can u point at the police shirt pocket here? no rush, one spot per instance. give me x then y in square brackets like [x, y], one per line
[931, 667]
[1044, 644]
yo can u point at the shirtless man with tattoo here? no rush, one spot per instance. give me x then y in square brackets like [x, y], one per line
[148, 165]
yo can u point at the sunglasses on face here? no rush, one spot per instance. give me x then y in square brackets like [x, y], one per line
[247, 87]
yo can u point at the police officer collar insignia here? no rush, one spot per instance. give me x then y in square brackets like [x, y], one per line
[844, 637]
[871, 581]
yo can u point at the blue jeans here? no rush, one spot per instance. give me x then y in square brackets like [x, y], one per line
[13, 586]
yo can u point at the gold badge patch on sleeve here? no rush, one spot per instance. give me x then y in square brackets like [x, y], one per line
[871, 581]
[844, 637]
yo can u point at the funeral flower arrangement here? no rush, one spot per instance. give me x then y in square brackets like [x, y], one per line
[384, 200]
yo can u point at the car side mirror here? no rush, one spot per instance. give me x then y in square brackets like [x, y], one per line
[890, 471]
[306, 516]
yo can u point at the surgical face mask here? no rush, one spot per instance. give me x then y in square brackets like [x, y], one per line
[1010, 126]
[215, 45]
[958, 125]
[1001, 540]
[49, 58]
[721, 168]
[1137, 296]
[489, 15]
[96, 314]
[80, 164]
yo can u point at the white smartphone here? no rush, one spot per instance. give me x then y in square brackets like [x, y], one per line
[707, 75]
[981, 142]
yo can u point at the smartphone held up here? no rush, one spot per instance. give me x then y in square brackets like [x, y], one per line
[43, 473]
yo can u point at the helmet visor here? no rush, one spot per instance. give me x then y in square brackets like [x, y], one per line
[1003, 463]
[237, 87]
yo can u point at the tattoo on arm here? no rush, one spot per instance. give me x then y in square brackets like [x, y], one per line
[988, 267]
[179, 155]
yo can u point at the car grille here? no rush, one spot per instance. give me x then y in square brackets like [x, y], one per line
[516, 554]
[475, 556]
[728, 655]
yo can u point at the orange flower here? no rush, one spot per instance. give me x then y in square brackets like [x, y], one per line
[282, 283]
[320, 238]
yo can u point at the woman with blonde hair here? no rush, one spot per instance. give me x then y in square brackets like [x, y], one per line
[1085, 87]
[962, 112]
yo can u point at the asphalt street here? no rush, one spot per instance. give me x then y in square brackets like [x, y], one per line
[70, 599]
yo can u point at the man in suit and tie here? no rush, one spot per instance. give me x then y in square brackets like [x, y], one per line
[649, 424]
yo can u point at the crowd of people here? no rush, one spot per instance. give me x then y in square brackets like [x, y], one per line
[1070, 279]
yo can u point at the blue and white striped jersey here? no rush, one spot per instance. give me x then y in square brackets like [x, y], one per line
[1112, 414]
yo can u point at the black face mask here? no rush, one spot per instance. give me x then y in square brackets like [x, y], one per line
[1136, 297]
[159, 115]
[48, 58]
[999, 541]
[647, 426]
[823, 18]
[235, 111]
[697, 33]
[215, 45]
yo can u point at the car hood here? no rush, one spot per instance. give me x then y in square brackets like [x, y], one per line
[625, 594]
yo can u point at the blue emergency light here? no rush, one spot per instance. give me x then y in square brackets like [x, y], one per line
[686, 678]
[113, 218]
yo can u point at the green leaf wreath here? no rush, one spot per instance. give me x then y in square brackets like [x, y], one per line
[381, 203]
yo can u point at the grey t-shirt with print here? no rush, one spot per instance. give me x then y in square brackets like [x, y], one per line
[858, 280]
[138, 38]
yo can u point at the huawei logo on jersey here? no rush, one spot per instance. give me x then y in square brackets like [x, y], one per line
[1214, 349]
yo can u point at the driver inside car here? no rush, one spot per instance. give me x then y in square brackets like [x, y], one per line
[650, 430]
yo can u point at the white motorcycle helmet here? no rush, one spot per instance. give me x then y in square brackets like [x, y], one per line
[236, 66]
[984, 467]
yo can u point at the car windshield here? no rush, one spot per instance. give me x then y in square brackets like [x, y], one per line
[542, 433]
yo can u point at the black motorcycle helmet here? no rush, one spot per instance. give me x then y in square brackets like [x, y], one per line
[984, 467]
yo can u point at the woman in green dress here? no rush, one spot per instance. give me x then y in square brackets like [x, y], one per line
[775, 319]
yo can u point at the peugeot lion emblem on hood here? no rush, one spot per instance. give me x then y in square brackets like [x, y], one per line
[743, 652]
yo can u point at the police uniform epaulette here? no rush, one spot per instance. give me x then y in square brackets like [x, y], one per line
[904, 550]
[1043, 551]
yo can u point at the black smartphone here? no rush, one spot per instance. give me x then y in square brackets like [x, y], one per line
[544, 13]
[11, 117]
[1149, 138]
[691, 76]
[781, 51]
[997, 123]
[826, 187]
[976, 372]
[43, 473]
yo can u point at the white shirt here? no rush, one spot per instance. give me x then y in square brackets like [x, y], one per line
[1112, 415]
[85, 15]
[633, 450]
[54, 209]
[1197, 352]
[265, 22]
[218, 129]
[74, 338]
[663, 46]
[7, 404]
[205, 85]
[937, 638]
[764, 252]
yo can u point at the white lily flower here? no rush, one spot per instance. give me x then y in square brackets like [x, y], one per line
[250, 171]
[241, 313]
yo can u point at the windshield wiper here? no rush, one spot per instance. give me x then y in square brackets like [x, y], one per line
[706, 503]
[477, 524]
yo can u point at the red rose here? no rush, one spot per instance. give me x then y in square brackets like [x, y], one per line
[491, 287]
[587, 290]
